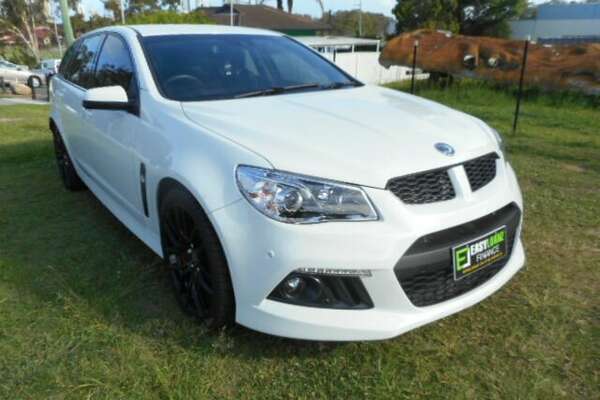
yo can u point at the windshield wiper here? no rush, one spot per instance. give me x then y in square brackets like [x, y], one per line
[277, 90]
[339, 85]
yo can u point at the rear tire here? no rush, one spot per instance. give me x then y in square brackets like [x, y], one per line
[66, 170]
[198, 267]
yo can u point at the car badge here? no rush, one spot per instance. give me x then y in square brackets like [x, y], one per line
[445, 149]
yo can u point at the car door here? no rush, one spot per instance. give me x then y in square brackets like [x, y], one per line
[109, 134]
[11, 73]
[76, 78]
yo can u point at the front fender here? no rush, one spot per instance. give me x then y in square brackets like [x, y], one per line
[202, 161]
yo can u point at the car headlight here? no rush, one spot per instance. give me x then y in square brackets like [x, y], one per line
[300, 199]
[500, 141]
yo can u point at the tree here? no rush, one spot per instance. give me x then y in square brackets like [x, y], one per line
[345, 23]
[468, 17]
[169, 17]
[21, 18]
[113, 6]
[81, 25]
[142, 6]
[133, 7]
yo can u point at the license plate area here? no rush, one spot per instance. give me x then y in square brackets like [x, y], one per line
[478, 253]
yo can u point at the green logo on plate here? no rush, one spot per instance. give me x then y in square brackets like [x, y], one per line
[463, 258]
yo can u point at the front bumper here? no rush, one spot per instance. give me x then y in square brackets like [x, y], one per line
[261, 252]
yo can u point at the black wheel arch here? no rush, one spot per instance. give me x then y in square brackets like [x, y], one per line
[167, 184]
[52, 126]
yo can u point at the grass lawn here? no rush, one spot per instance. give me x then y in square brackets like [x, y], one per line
[86, 310]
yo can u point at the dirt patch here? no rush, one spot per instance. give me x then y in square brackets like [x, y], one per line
[7, 120]
[573, 168]
[594, 232]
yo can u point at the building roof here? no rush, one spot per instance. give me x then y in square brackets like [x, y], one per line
[197, 29]
[569, 11]
[261, 16]
[336, 41]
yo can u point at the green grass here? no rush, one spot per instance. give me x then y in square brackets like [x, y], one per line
[86, 310]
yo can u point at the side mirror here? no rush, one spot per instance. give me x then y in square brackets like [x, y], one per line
[107, 98]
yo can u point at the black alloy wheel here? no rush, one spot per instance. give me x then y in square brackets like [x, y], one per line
[198, 269]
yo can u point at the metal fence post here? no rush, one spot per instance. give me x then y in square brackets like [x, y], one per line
[520, 92]
[414, 67]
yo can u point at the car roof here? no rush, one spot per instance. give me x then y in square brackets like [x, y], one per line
[198, 29]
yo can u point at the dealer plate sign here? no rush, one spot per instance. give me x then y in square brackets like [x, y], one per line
[478, 253]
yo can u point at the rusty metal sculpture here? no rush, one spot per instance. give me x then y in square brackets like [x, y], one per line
[554, 67]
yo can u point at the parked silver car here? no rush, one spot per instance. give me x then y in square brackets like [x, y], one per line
[13, 73]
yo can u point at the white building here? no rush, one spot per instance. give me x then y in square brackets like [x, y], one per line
[362, 65]
[556, 23]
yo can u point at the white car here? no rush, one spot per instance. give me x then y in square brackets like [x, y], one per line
[13, 73]
[285, 195]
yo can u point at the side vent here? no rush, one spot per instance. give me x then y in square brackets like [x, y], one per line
[143, 188]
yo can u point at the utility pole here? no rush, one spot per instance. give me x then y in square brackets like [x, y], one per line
[231, 12]
[56, 33]
[67, 29]
[360, 19]
[34, 41]
[122, 12]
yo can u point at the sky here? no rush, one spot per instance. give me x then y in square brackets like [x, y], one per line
[300, 6]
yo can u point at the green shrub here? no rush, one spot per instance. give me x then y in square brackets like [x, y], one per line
[18, 55]
[169, 17]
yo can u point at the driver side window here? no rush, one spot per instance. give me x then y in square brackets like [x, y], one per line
[114, 67]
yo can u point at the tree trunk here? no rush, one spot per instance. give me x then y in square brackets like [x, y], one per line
[290, 5]
[280, 5]
[29, 36]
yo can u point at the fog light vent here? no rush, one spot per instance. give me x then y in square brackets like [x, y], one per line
[322, 290]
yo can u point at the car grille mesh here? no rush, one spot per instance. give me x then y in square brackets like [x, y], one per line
[481, 170]
[433, 186]
[427, 187]
[425, 272]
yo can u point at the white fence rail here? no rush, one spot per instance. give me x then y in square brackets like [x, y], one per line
[365, 67]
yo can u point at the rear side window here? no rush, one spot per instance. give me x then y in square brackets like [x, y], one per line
[67, 58]
[81, 70]
[114, 66]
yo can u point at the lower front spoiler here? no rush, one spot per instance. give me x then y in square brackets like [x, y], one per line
[310, 323]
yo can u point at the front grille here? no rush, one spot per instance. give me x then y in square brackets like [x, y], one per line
[433, 186]
[481, 170]
[422, 188]
[425, 271]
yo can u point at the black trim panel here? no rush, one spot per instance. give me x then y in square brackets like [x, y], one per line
[143, 188]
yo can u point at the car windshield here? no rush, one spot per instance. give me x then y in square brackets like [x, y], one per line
[8, 64]
[210, 67]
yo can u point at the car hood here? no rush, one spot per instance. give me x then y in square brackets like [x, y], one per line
[363, 135]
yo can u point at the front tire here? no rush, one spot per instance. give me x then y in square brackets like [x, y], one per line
[34, 81]
[198, 268]
[66, 170]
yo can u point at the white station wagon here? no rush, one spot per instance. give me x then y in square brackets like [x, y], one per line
[285, 195]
